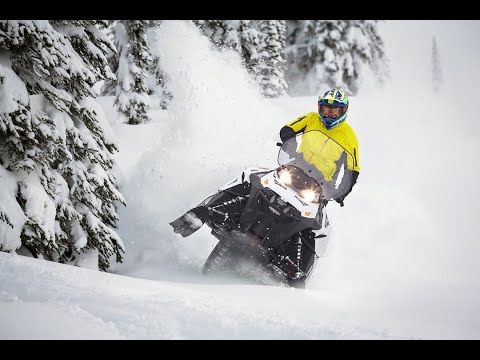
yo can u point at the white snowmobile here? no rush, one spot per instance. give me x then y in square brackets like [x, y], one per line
[265, 219]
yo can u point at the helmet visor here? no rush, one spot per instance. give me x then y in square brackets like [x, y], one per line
[330, 111]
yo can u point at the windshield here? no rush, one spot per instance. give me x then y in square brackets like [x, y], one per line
[320, 158]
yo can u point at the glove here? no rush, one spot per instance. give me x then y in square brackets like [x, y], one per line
[287, 133]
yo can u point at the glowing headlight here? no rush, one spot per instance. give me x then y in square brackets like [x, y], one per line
[309, 195]
[285, 177]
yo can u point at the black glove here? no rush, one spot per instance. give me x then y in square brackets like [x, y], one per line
[286, 133]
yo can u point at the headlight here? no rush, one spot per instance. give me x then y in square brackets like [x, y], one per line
[303, 185]
[285, 177]
[309, 196]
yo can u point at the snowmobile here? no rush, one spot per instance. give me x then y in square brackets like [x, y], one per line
[267, 220]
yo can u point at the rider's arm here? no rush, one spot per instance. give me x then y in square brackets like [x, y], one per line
[352, 170]
[353, 181]
[293, 128]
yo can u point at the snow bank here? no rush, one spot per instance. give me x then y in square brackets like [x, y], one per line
[54, 301]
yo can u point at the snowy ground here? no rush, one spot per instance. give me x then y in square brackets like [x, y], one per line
[401, 260]
[52, 301]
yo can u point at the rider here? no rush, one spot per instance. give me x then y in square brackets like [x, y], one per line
[330, 120]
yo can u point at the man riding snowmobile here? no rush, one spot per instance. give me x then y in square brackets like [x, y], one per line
[272, 215]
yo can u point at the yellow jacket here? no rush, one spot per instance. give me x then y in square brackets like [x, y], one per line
[343, 134]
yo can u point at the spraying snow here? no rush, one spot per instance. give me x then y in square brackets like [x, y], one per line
[218, 124]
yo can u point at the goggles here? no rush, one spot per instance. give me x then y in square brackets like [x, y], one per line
[330, 111]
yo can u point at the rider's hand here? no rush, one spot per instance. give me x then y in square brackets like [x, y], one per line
[340, 201]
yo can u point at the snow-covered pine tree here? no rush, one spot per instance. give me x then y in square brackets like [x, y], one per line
[333, 53]
[158, 79]
[314, 55]
[365, 49]
[242, 36]
[25, 147]
[437, 77]
[231, 39]
[161, 80]
[333, 66]
[250, 45]
[56, 144]
[272, 63]
[222, 33]
[301, 55]
[133, 63]
[379, 62]
[110, 85]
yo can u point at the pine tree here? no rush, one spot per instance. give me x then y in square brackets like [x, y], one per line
[56, 143]
[25, 148]
[250, 45]
[242, 36]
[272, 62]
[134, 61]
[300, 55]
[110, 85]
[379, 62]
[365, 50]
[161, 80]
[333, 53]
[222, 33]
[158, 79]
[437, 77]
[333, 68]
